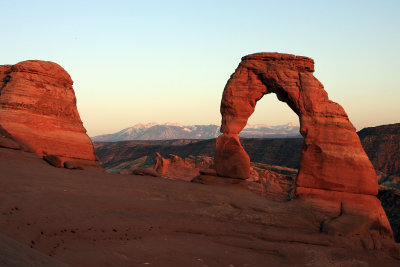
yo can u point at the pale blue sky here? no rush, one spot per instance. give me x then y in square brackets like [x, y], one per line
[168, 61]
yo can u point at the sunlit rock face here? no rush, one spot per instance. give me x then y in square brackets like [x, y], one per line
[38, 111]
[335, 172]
[332, 155]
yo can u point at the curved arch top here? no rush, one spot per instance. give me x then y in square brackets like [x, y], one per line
[332, 157]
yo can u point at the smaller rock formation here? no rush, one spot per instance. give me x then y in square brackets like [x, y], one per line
[73, 165]
[177, 168]
[272, 182]
[38, 114]
[54, 160]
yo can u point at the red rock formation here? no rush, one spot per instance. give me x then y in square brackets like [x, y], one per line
[272, 182]
[334, 169]
[332, 155]
[178, 168]
[38, 110]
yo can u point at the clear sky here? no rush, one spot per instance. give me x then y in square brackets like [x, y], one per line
[168, 61]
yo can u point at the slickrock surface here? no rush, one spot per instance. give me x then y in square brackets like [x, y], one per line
[38, 110]
[86, 218]
[15, 254]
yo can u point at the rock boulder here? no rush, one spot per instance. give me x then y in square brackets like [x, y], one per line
[175, 167]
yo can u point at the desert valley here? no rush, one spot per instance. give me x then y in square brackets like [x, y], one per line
[327, 197]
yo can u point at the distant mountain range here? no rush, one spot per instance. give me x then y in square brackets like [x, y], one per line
[170, 131]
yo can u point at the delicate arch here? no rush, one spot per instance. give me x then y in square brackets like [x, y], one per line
[332, 157]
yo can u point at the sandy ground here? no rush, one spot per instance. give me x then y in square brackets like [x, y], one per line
[51, 216]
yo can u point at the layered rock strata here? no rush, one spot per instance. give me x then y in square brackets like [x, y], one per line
[334, 169]
[38, 111]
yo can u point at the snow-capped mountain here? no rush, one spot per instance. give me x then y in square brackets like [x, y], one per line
[168, 131]
[265, 131]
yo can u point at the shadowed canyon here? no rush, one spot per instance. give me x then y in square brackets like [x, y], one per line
[229, 201]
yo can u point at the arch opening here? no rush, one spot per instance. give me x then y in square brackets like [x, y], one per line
[273, 142]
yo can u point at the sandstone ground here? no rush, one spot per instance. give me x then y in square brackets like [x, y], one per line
[84, 218]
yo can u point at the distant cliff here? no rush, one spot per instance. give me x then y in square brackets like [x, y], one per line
[382, 145]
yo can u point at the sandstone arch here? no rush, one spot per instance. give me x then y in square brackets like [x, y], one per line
[332, 155]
